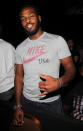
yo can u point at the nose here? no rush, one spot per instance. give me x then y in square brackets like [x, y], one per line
[28, 20]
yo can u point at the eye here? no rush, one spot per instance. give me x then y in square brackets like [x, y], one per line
[23, 19]
[31, 16]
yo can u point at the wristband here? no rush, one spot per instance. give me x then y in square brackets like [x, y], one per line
[59, 82]
[17, 107]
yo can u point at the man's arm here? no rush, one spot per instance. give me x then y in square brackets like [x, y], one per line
[18, 114]
[70, 70]
[18, 83]
[52, 84]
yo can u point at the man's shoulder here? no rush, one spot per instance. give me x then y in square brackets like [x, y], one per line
[55, 38]
[6, 44]
[51, 36]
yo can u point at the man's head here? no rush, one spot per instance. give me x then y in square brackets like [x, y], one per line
[30, 19]
[71, 44]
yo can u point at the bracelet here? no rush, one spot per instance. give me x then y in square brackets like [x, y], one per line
[59, 82]
[17, 107]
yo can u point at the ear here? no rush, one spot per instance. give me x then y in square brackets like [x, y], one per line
[39, 18]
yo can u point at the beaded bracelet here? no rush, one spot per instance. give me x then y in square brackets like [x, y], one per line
[59, 82]
[17, 107]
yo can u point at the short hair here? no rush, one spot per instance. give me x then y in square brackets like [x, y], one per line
[36, 10]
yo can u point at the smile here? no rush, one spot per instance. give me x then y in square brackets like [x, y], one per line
[29, 26]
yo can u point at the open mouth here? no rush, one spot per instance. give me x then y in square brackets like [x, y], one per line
[29, 26]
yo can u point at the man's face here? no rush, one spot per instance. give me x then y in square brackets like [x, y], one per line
[30, 21]
[71, 45]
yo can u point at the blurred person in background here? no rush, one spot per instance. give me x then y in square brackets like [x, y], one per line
[7, 74]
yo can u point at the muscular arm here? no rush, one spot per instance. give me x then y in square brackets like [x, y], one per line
[52, 84]
[69, 70]
[18, 83]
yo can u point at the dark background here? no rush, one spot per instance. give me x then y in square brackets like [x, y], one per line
[58, 17]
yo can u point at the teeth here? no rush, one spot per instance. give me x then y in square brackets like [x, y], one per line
[29, 26]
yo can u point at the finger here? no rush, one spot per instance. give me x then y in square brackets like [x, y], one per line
[43, 89]
[21, 119]
[18, 118]
[44, 93]
[15, 123]
[43, 77]
[41, 83]
[20, 123]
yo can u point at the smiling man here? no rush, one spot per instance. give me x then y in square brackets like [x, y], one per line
[38, 61]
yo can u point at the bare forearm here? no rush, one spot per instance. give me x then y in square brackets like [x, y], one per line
[18, 90]
[68, 75]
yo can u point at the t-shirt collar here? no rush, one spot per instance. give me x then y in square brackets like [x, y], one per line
[38, 38]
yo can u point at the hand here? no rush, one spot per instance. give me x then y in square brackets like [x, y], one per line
[49, 85]
[18, 119]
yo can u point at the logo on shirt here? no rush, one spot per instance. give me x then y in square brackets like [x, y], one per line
[33, 53]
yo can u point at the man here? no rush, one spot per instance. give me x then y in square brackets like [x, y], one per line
[7, 63]
[38, 60]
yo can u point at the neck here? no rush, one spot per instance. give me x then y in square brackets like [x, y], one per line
[37, 35]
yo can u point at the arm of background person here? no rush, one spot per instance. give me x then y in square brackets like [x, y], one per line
[69, 69]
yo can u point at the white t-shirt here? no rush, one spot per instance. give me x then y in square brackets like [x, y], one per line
[7, 61]
[41, 56]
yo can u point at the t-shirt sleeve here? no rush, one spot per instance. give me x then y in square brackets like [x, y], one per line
[63, 49]
[14, 52]
[18, 57]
